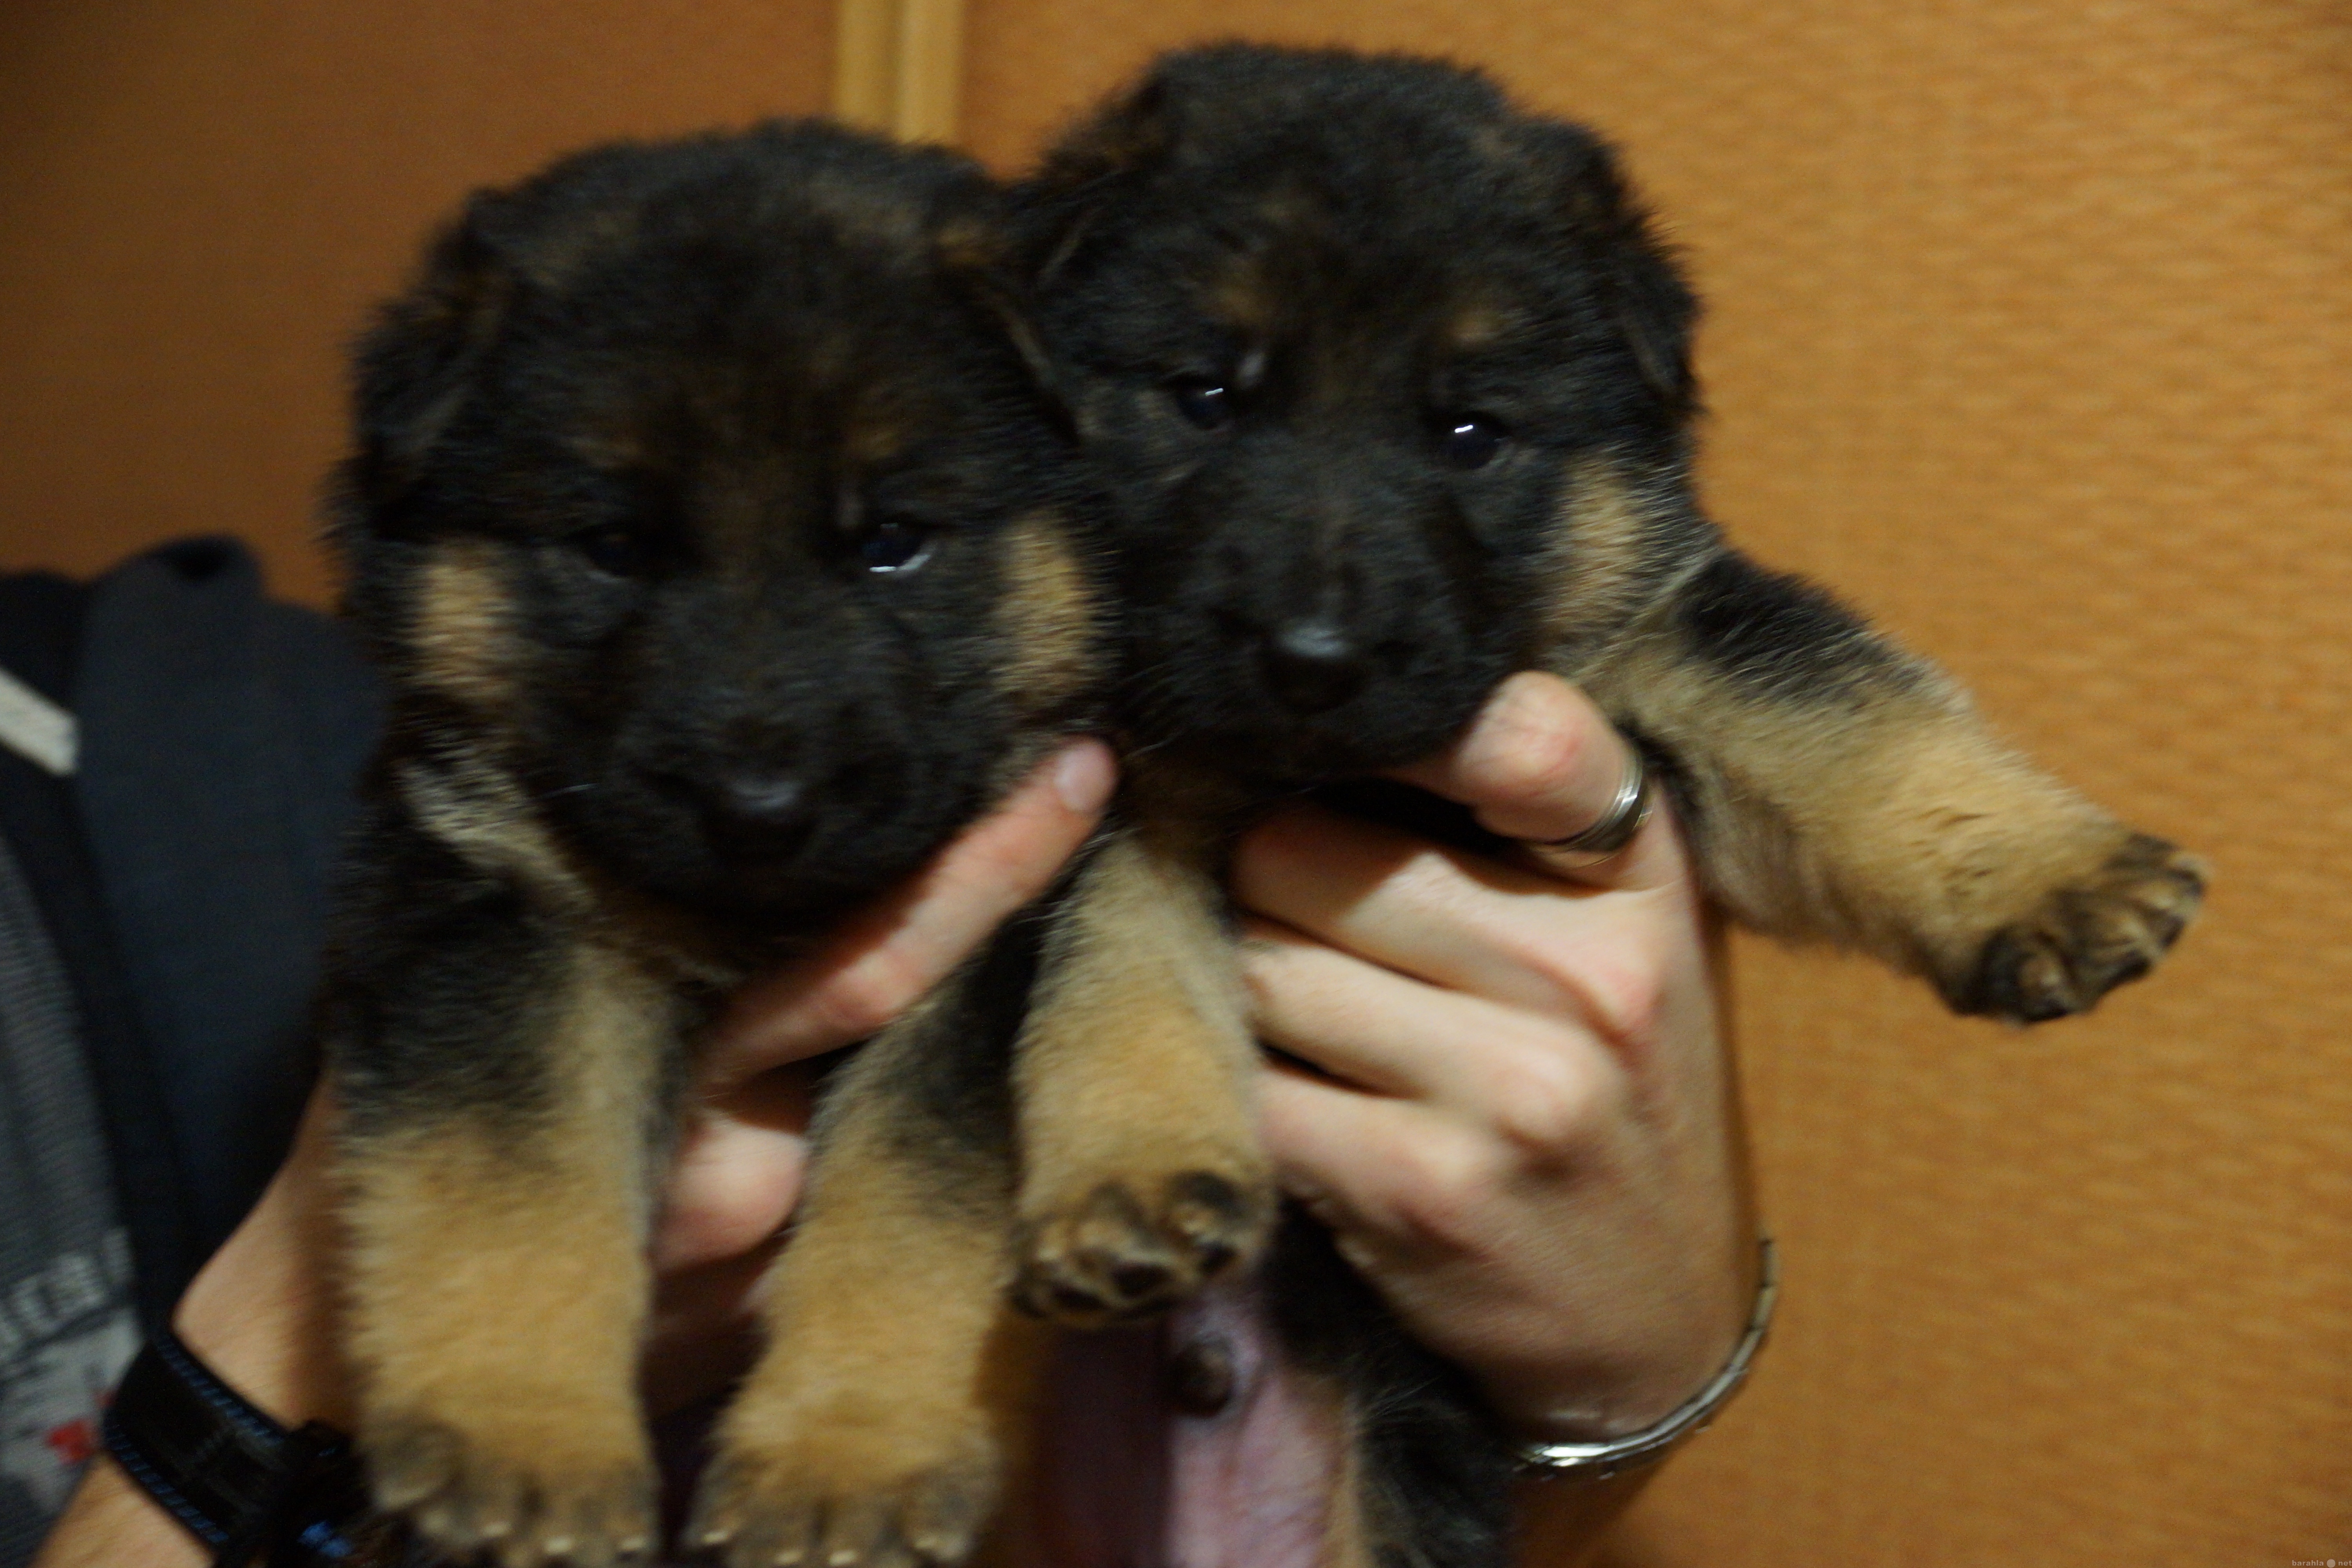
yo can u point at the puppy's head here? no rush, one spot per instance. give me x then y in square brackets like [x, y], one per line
[698, 496]
[1391, 380]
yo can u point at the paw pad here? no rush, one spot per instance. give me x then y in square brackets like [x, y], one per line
[2088, 937]
[1118, 1255]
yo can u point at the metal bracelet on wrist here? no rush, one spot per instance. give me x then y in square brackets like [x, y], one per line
[1599, 1461]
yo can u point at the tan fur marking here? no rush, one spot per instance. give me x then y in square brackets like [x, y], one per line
[897, 1385]
[460, 631]
[1245, 299]
[873, 436]
[1475, 324]
[496, 1287]
[1132, 1075]
[478, 810]
[1047, 616]
[1597, 553]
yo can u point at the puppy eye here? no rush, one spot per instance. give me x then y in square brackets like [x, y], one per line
[1471, 440]
[894, 544]
[1207, 403]
[616, 549]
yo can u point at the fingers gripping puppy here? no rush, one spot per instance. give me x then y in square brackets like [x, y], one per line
[1391, 383]
[720, 555]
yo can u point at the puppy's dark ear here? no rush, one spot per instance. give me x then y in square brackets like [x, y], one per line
[979, 257]
[415, 365]
[1124, 142]
[1653, 307]
[1656, 309]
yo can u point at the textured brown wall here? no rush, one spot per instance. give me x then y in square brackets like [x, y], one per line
[2032, 330]
[200, 198]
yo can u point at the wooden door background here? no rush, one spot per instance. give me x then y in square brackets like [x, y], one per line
[2030, 329]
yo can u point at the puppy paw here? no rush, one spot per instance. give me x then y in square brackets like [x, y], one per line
[1124, 1250]
[844, 1484]
[518, 1496]
[2087, 937]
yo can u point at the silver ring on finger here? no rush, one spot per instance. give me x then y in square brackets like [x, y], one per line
[1618, 825]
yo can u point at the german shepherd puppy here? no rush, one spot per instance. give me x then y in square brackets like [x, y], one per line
[723, 561]
[1392, 383]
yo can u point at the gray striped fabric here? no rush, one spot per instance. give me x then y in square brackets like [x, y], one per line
[66, 1328]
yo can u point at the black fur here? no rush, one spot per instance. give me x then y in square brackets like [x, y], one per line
[1781, 636]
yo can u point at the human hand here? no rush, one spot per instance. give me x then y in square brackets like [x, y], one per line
[1525, 1129]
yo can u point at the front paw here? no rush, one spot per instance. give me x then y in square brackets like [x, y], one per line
[845, 1483]
[2087, 937]
[517, 1491]
[1127, 1248]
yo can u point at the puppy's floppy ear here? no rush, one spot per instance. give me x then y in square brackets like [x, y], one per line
[414, 366]
[978, 259]
[1652, 306]
[1057, 206]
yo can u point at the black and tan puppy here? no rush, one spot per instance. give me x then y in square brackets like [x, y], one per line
[722, 557]
[1392, 382]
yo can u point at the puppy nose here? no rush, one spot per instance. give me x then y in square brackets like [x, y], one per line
[1312, 665]
[757, 810]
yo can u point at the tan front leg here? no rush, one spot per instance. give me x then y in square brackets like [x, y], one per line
[1141, 1171]
[1842, 790]
[495, 1288]
[880, 1423]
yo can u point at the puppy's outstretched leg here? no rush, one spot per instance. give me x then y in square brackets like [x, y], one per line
[1841, 789]
[501, 1106]
[881, 1422]
[1140, 1169]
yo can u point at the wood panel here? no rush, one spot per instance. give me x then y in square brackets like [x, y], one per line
[2030, 329]
[200, 198]
[898, 67]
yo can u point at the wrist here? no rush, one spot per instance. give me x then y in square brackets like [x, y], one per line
[246, 1486]
[1659, 1357]
[1600, 1457]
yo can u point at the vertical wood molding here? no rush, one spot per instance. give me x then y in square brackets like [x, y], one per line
[898, 67]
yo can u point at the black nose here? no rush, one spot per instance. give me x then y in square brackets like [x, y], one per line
[756, 811]
[1312, 665]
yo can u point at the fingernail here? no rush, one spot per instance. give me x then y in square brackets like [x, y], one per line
[1083, 777]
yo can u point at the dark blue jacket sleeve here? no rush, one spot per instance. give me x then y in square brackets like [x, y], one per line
[222, 736]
